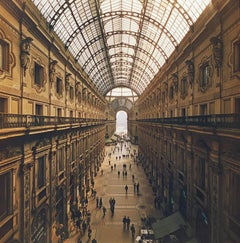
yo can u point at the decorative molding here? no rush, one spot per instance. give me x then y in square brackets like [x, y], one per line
[42, 87]
[11, 58]
[10, 152]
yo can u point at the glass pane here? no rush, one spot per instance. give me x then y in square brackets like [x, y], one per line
[137, 46]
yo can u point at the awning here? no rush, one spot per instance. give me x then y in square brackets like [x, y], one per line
[193, 240]
[168, 225]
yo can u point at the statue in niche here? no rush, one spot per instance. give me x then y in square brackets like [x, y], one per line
[190, 67]
[52, 70]
[25, 53]
[67, 83]
[217, 52]
[175, 81]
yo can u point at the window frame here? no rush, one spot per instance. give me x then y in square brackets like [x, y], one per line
[71, 93]
[205, 74]
[171, 92]
[5, 53]
[236, 56]
[59, 86]
[184, 87]
[38, 74]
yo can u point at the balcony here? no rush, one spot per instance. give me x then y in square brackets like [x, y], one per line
[215, 121]
[17, 121]
[15, 125]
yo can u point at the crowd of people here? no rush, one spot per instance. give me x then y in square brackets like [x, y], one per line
[82, 216]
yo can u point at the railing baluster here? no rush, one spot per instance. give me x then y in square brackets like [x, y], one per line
[217, 120]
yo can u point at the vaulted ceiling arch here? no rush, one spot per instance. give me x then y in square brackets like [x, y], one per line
[105, 35]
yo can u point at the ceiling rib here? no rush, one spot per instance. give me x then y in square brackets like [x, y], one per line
[121, 42]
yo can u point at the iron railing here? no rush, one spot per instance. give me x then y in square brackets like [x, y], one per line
[217, 121]
[17, 121]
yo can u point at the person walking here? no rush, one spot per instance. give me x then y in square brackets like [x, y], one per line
[128, 221]
[126, 189]
[97, 202]
[124, 222]
[100, 202]
[132, 230]
[137, 188]
[104, 211]
[112, 209]
[84, 226]
[89, 232]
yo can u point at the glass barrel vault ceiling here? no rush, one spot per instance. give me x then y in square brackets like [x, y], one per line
[121, 43]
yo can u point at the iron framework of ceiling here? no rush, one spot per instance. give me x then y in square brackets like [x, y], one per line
[121, 43]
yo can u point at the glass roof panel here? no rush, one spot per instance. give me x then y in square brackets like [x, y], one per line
[121, 91]
[116, 44]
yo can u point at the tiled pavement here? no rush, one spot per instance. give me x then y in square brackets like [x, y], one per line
[110, 228]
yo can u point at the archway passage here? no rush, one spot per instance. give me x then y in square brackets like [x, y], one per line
[121, 123]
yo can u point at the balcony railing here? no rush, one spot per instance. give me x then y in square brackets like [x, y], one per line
[16, 120]
[217, 121]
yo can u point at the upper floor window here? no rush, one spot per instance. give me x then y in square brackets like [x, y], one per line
[4, 56]
[59, 86]
[183, 112]
[203, 109]
[38, 74]
[236, 53]
[3, 105]
[184, 87]
[204, 74]
[163, 97]
[171, 92]
[71, 93]
[39, 110]
[59, 112]
[41, 180]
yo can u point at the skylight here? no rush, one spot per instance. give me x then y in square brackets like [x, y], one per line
[121, 42]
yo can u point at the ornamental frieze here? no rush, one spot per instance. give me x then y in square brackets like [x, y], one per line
[10, 152]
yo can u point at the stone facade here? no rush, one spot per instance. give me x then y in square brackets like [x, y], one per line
[194, 168]
[47, 159]
[53, 124]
